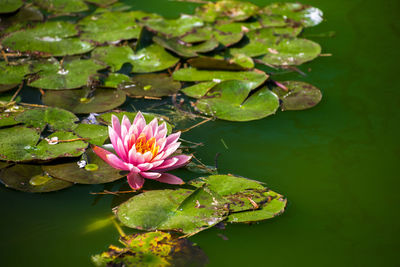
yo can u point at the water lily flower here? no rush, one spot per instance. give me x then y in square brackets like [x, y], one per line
[144, 150]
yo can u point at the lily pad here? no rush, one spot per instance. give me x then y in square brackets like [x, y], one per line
[198, 90]
[273, 206]
[153, 85]
[230, 101]
[253, 78]
[62, 6]
[234, 10]
[22, 18]
[31, 178]
[8, 6]
[180, 210]
[184, 49]
[271, 21]
[152, 249]
[12, 74]
[85, 100]
[102, 3]
[300, 95]
[7, 117]
[305, 15]
[97, 134]
[198, 35]
[211, 63]
[115, 79]
[174, 27]
[71, 172]
[109, 27]
[71, 74]
[50, 38]
[292, 52]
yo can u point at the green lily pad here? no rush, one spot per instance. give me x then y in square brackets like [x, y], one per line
[85, 100]
[239, 192]
[273, 206]
[234, 10]
[31, 178]
[62, 6]
[152, 249]
[97, 134]
[50, 38]
[198, 90]
[198, 35]
[21, 19]
[106, 118]
[153, 85]
[292, 52]
[228, 39]
[55, 118]
[12, 74]
[306, 15]
[71, 74]
[300, 95]
[102, 3]
[109, 27]
[212, 63]
[8, 6]
[186, 50]
[174, 27]
[149, 59]
[115, 79]
[18, 144]
[7, 116]
[180, 210]
[253, 78]
[267, 21]
[71, 172]
[230, 101]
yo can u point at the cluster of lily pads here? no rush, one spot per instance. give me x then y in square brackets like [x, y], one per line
[89, 57]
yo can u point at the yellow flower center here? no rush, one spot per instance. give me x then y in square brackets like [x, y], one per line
[143, 145]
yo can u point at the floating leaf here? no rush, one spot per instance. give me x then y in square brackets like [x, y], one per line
[230, 101]
[114, 79]
[152, 249]
[109, 27]
[234, 10]
[153, 85]
[70, 74]
[21, 19]
[12, 75]
[292, 52]
[211, 63]
[174, 27]
[101, 2]
[85, 100]
[198, 90]
[8, 6]
[267, 21]
[97, 134]
[186, 50]
[180, 210]
[62, 6]
[253, 78]
[7, 117]
[300, 95]
[51, 38]
[198, 35]
[31, 178]
[71, 172]
[306, 15]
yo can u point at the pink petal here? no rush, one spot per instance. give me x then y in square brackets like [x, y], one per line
[110, 158]
[170, 179]
[173, 163]
[148, 131]
[150, 175]
[154, 126]
[170, 149]
[135, 157]
[157, 163]
[113, 136]
[126, 122]
[145, 166]
[135, 180]
[140, 122]
[160, 156]
[173, 138]
[161, 143]
[147, 156]
[121, 151]
[162, 131]
[115, 124]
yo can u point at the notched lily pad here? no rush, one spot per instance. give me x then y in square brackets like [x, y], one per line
[198, 90]
[96, 134]
[85, 100]
[31, 178]
[180, 210]
[186, 49]
[72, 172]
[300, 95]
[230, 100]
[153, 85]
[50, 38]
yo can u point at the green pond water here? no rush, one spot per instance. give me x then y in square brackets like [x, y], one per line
[336, 163]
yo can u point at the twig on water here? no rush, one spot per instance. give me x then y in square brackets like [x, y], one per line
[16, 93]
[197, 124]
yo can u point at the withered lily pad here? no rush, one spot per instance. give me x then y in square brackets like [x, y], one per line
[96, 134]
[71, 172]
[235, 10]
[85, 100]
[50, 38]
[198, 90]
[300, 95]
[180, 210]
[253, 78]
[153, 85]
[230, 100]
[109, 27]
[31, 178]
[62, 6]
[174, 27]
[152, 249]
[292, 52]
[70, 74]
[295, 12]
[8, 6]
[185, 49]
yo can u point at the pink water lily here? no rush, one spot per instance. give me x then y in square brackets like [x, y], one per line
[144, 150]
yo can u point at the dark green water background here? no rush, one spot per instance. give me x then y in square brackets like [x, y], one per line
[337, 164]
